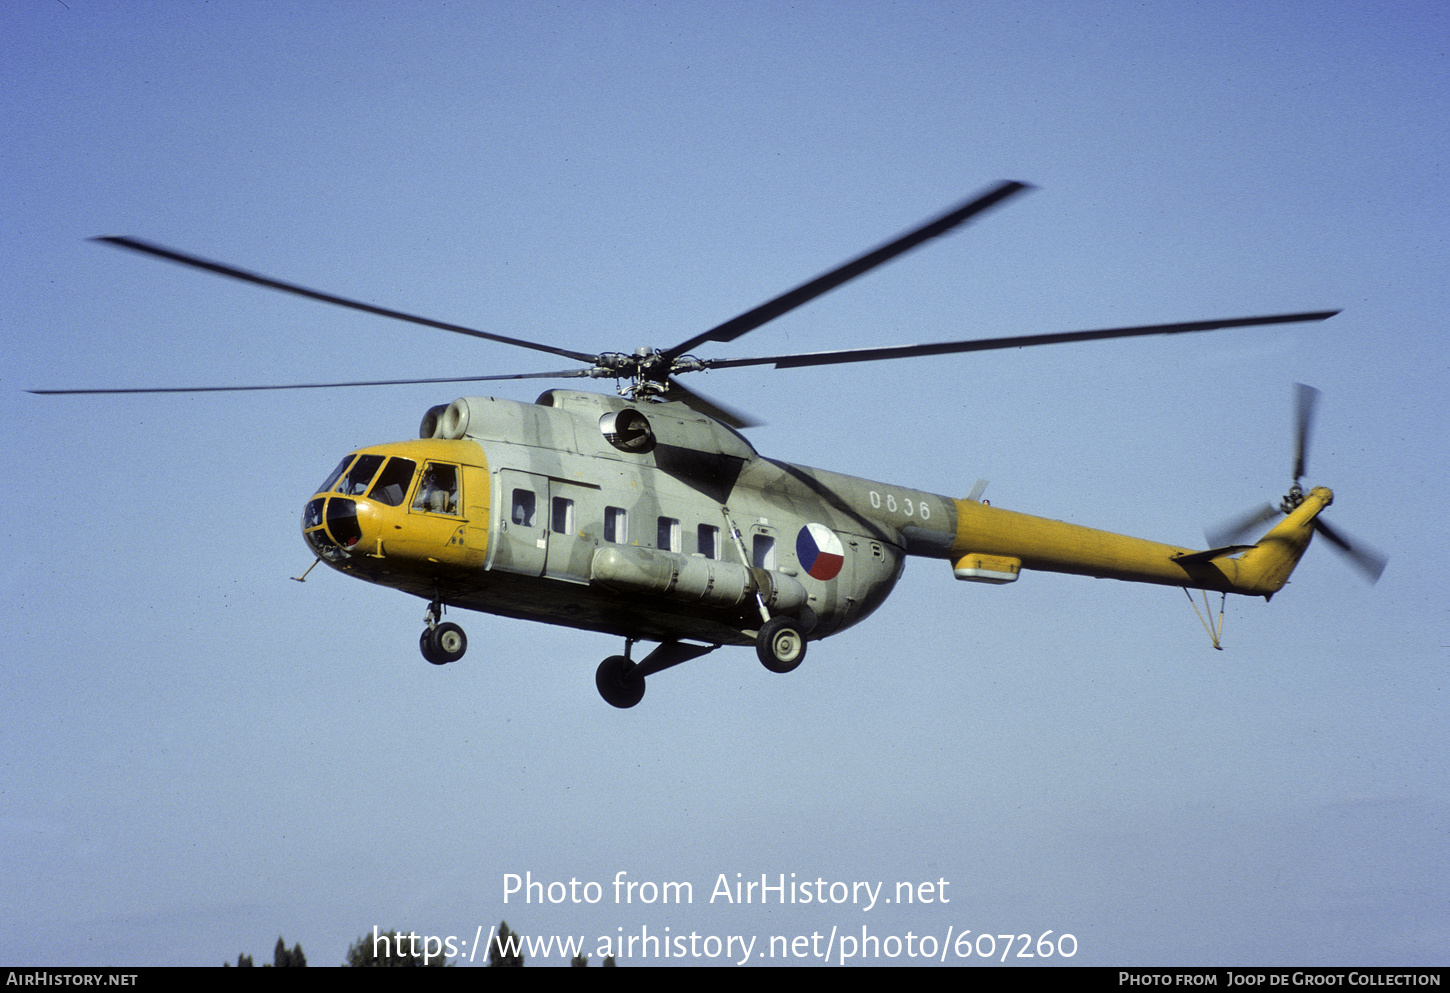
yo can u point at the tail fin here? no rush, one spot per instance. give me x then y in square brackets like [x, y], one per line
[1264, 569]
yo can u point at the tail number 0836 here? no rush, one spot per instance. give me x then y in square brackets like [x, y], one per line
[919, 510]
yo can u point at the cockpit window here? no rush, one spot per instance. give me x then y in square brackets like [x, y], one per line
[336, 473]
[438, 493]
[312, 513]
[392, 484]
[355, 483]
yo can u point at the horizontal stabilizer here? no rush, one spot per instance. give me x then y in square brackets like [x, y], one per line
[1189, 558]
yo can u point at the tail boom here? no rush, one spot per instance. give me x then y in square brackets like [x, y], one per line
[1056, 546]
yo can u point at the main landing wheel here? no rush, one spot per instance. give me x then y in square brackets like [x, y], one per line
[443, 643]
[619, 687]
[780, 644]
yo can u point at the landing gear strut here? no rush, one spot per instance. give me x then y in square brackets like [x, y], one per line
[441, 643]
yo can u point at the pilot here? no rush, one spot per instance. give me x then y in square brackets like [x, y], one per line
[439, 492]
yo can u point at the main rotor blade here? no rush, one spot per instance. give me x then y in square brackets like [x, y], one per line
[566, 374]
[1305, 400]
[824, 283]
[136, 245]
[1368, 561]
[988, 344]
[710, 408]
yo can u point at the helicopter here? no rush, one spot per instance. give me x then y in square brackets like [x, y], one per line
[649, 516]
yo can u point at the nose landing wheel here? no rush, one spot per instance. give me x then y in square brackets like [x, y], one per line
[443, 643]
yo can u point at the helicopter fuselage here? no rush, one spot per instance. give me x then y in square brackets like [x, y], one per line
[540, 516]
[655, 522]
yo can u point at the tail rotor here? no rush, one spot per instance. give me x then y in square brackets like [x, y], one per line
[1364, 559]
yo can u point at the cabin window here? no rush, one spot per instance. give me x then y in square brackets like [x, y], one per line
[668, 539]
[762, 551]
[355, 483]
[392, 484]
[709, 541]
[616, 525]
[438, 493]
[522, 513]
[562, 520]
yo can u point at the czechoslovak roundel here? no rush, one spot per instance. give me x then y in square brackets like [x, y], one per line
[820, 552]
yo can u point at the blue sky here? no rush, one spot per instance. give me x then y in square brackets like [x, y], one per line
[200, 755]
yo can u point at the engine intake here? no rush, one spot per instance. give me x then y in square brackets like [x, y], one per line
[628, 430]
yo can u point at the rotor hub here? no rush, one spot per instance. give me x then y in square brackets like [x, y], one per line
[1292, 499]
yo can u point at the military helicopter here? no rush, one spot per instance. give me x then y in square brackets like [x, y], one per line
[648, 516]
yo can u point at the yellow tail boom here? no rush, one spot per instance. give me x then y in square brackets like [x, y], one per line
[992, 544]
